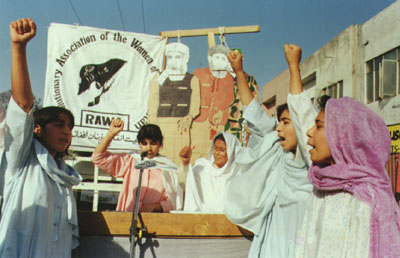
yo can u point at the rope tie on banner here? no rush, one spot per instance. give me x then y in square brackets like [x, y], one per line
[222, 39]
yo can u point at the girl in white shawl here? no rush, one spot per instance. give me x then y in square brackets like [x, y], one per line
[269, 190]
[39, 217]
[205, 184]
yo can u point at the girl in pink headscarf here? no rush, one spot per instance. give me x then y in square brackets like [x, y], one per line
[352, 211]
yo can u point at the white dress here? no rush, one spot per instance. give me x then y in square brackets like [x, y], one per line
[205, 184]
[335, 225]
[269, 193]
[39, 218]
[2, 128]
[2, 134]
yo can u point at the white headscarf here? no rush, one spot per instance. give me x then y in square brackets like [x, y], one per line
[232, 146]
[205, 184]
[65, 176]
[264, 176]
[175, 47]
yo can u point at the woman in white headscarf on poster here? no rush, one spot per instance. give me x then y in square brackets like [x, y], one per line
[205, 184]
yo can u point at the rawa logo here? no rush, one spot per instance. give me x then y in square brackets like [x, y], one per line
[99, 75]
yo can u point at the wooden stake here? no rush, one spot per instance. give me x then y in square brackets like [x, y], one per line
[205, 32]
[211, 39]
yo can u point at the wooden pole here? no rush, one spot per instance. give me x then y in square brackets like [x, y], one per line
[209, 32]
[205, 32]
[211, 39]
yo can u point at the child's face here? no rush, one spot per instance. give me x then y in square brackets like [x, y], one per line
[320, 153]
[55, 136]
[220, 153]
[151, 147]
[286, 132]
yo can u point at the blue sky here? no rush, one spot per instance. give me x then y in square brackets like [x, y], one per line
[308, 23]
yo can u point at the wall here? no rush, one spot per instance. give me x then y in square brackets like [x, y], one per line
[344, 58]
[334, 62]
[278, 87]
[381, 34]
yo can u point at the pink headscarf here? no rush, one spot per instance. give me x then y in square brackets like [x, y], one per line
[359, 142]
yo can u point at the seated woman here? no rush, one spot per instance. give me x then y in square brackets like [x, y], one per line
[352, 211]
[205, 184]
[160, 191]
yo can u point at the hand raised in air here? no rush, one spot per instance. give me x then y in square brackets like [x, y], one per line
[117, 125]
[22, 30]
[292, 53]
[236, 60]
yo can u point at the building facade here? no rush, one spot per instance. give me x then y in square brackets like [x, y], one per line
[362, 62]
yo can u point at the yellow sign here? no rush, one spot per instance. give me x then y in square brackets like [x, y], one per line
[395, 135]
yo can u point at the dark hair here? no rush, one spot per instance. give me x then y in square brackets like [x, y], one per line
[47, 115]
[280, 109]
[322, 101]
[150, 131]
[219, 137]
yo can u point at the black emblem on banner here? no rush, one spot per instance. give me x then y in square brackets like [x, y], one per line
[99, 74]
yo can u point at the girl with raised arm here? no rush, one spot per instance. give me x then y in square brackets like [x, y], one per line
[352, 211]
[269, 191]
[160, 191]
[38, 215]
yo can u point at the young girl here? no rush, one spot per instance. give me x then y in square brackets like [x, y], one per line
[268, 194]
[39, 216]
[205, 185]
[352, 212]
[160, 191]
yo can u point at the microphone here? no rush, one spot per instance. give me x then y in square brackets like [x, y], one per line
[145, 164]
[144, 154]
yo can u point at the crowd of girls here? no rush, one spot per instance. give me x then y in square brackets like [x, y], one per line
[310, 184]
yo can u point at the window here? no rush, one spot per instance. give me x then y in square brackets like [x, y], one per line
[309, 81]
[334, 90]
[377, 68]
[370, 81]
[382, 76]
[270, 103]
[398, 70]
[388, 87]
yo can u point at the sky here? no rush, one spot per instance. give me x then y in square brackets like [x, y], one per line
[308, 23]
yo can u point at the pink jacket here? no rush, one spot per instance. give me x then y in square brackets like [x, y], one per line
[123, 165]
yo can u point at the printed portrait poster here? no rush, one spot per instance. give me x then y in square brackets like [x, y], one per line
[99, 75]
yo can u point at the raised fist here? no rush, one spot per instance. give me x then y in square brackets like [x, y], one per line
[236, 60]
[22, 30]
[292, 53]
[117, 125]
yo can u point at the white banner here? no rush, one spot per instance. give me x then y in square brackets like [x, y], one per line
[99, 75]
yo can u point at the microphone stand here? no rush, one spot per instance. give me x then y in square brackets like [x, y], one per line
[142, 165]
